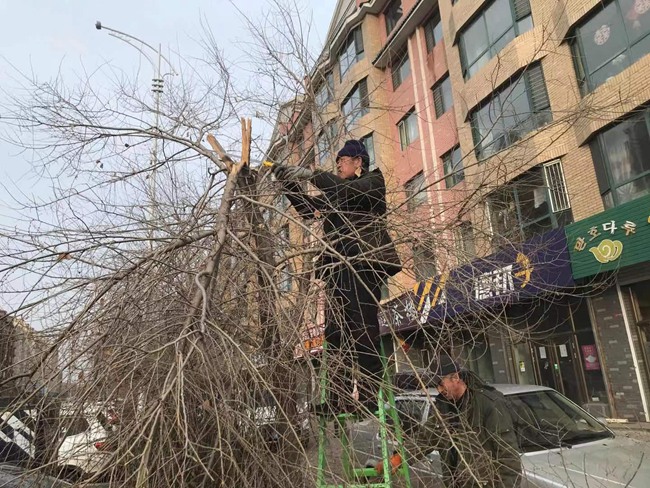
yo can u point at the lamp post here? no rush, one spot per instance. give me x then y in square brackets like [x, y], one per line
[157, 82]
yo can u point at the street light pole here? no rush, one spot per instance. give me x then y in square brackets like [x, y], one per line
[157, 84]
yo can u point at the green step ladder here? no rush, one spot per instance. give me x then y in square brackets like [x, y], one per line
[356, 476]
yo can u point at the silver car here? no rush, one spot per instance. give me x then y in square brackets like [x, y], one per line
[560, 443]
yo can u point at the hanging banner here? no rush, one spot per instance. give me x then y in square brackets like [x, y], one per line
[539, 265]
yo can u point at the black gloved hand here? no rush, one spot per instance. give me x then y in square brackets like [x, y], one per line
[295, 173]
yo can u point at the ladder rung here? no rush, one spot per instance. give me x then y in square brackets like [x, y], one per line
[366, 485]
[367, 472]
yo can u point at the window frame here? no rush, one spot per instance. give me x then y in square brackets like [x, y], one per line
[541, 115]
[392, 21]
[400, 70]
[586, 84]
[327, 87]
[354, 39]
[370, 148]
[285, 278]
[603, 165]
[421, 250]
[416, 191]
[454, 171]
[517, 186]
[461, 234]
[433, 24]
[438, 89]
[403, 129]
[327, 134]
[359, 110]
[489, 48]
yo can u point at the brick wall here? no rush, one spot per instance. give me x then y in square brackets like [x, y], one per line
[616, 356]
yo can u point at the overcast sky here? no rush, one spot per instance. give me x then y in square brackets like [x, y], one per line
[44, 37]
[47, 38]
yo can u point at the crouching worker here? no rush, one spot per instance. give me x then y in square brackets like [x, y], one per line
[358, 258]
[472, 431]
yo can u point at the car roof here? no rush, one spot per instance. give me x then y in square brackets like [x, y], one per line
[505, 388]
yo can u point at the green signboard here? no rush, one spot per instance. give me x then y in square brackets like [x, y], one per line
[610, 240]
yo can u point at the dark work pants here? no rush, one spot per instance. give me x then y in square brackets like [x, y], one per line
[352, 335]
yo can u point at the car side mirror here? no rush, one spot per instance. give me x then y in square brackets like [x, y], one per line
[433, 456]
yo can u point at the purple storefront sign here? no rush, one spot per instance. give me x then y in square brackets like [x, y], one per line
[539, 265]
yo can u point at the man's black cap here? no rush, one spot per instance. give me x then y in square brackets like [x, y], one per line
[446, 365]
[355, 149]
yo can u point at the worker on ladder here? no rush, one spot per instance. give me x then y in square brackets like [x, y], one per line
[358, 259]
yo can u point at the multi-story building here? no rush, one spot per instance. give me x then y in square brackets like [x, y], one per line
[512, 135]
[26, 362]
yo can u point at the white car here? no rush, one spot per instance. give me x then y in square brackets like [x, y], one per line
[85, 448]
[561, 444]
[83, 438]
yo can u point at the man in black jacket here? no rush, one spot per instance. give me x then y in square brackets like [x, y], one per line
[358, 257]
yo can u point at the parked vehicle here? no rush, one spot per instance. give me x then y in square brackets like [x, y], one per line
[12, 476]
[266, 420]
[83, 437]
[86, 444]
[560, 443]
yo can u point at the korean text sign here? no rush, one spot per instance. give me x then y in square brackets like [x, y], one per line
[612, 239]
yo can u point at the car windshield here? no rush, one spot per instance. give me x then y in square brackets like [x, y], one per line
[410, 412]
[546, 420]
[73, 425]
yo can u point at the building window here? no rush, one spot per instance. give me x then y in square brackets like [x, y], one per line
[408, 129]
[453, 166]
[393, 13]
[511, 113]
[356, 104]
[465, 242]
[284, 278]
[325, 91]
[369, 143]
[325, 141]
[424, 262]
[621, 159]
[615, 37]
[351, 52]
[442, 98]
[496, 26]
[385, 291]
[527, 205]
[433, 32]
[416, 192]
[401, 70]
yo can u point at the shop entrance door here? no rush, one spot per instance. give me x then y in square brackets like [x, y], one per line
[556, 368]
[548, 367]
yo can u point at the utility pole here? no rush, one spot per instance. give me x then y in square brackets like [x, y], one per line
[157, 86]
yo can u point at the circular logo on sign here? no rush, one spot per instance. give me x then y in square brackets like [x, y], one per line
[601, 36]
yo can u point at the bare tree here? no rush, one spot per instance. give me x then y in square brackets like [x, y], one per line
[172, 292]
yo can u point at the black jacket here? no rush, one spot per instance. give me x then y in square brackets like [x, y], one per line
[354, 213]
